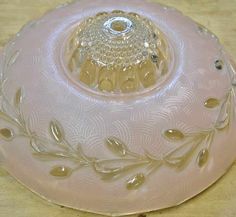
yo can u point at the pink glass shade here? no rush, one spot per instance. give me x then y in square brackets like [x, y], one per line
[116, 107]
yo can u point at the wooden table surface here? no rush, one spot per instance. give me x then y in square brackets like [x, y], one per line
[218, 201]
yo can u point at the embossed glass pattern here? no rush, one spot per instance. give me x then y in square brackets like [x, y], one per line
[66, 135]
[118, 52]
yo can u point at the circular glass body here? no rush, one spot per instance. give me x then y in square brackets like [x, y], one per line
[116, 107]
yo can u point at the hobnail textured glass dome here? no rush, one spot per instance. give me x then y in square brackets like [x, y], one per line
[118, 52]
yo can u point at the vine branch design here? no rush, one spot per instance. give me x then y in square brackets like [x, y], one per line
[126, 162]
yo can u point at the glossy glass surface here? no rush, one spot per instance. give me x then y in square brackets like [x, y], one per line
[118, 52]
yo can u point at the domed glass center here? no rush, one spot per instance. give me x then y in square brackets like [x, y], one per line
[118, 26]
[118, 52]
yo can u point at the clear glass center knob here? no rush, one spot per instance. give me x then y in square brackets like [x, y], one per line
[118, 26]
[118, 52]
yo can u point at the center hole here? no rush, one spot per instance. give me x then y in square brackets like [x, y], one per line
[119, 26]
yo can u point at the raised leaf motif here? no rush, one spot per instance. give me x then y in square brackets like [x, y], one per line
[223, 119]
[13, 58]
[136, 181]
[18, 97]
[117, 146]
[56, 131]
[179, 157]
[173, 134]
[61, 171]
[211, 103]
[126, 161]
[202, 157]
[7, 134]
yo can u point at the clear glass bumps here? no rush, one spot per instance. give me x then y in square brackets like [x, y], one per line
[117, 52]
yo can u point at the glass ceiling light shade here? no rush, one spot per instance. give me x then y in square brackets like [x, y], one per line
[116, 107]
